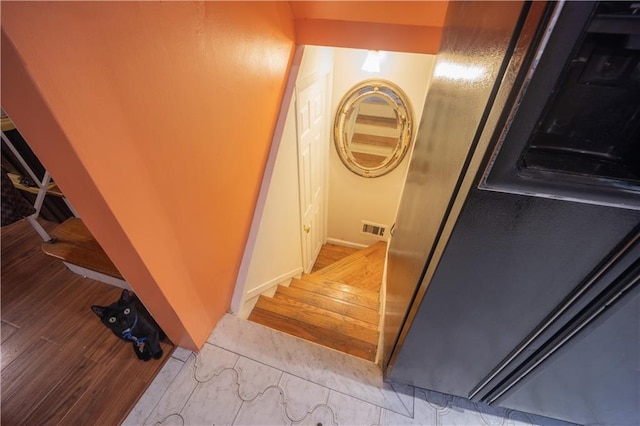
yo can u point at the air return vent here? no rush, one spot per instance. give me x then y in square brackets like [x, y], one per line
[374, 229]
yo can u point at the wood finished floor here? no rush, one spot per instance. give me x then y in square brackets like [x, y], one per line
[60, 365]
[336, 306]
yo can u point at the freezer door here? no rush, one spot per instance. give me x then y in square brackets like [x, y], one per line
[593, 379]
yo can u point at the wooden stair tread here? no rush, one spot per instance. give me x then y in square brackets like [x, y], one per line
[334, 305]
[362, 269]
[373, 256]
[312, 333]
[328, 320]
[339, 291]
[360, 280]
[357, 275]
[335, 318]
[375, 249]
[331, 253]
[75, 244]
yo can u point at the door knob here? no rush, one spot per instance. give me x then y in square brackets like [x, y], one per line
[306, 228]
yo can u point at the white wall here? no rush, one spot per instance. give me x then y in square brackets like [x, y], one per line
[276, 254]
[353, 198]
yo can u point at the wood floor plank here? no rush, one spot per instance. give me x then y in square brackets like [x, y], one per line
[77, 320]
[63, 396]
[314, 334]
[25, 369]
[338, 291]
[105, 401]
[27, 274]
[21, 343]
[8, 330]
[61, 366]
[334, 305]
[27, 395]
[45, 284]
[320, 318]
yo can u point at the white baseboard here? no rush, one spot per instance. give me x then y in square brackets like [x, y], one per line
[268, 289]
[262, 288]
[247, 307]
[346, 243]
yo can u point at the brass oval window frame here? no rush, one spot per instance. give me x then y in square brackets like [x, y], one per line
[398, 101]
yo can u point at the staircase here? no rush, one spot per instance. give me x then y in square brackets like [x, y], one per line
[336, 306]
[69, 241]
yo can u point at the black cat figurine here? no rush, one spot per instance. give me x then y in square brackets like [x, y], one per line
[129, 320]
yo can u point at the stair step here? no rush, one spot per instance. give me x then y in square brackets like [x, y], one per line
[331, 253]
[321, 318]
[336, 306]
[323, 328]
[367, 315]
[339, 291]
[74, 244]
[313, 334]
[327, 319]
[373, 250]
[362, 269]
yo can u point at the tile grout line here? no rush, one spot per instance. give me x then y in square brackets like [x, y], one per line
[238, 412]
[195, 369]
[284, 401]
[282, 393]
[333, 412]
[413, 399]
[242, 401]
[319, 384]
[155, 405]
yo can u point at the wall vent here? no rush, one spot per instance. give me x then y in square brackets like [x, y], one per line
[374, 229]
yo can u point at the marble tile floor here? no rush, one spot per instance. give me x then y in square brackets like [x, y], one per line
[247, 374]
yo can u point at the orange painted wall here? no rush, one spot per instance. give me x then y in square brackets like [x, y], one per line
[403, 26]
[420, 13]
[371, 36]
[155, 119]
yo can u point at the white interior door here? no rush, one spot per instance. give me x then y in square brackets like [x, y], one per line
[311, 127]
